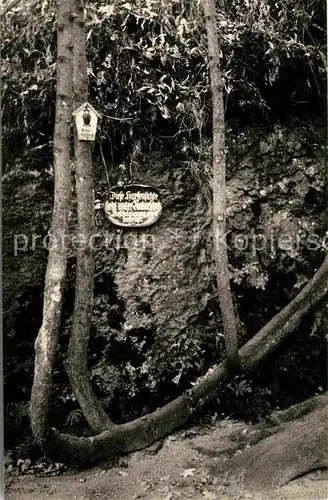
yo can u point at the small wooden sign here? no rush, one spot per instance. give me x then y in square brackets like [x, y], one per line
[86, 119]
[133, 206]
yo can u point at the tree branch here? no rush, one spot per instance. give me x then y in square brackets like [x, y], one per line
[4, 9]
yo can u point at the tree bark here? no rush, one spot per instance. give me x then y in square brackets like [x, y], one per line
[77, 361]
[220, 253]
[296, 448]
[47, 339]
[145, 430]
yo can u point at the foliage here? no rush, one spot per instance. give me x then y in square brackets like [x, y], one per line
[136, 370]
[148, 69]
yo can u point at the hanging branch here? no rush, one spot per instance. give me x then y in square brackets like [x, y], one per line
[219, 190]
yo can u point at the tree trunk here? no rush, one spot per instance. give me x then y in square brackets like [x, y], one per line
[47, 339]
[77, 361]
[145, 430]
[220, 253]
[295, 449]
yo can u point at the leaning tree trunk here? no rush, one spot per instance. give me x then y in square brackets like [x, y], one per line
[77, 362]
[145, 430]
[220, 253]
[47, 339]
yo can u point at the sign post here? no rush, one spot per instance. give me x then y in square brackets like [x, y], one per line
[86, 119]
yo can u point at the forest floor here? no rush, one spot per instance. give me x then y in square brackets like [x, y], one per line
[178, 468]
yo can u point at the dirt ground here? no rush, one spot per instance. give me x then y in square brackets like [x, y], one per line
[176, 469]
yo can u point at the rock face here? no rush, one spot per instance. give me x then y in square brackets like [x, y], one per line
[164, 273]
[163, 276]
[157, 319]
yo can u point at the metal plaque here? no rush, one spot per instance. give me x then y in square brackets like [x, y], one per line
[133, 206]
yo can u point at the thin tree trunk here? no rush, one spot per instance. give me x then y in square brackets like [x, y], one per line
[145, 430]
[219, 190]
[77, 362]
[47, 339]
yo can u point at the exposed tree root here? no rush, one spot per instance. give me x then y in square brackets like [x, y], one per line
[301, 409]
[277, 419]
[296, 448]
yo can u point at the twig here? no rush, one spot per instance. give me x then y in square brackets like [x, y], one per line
[177, 133]
[116, 118]
[7, 7]
[105, 164]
